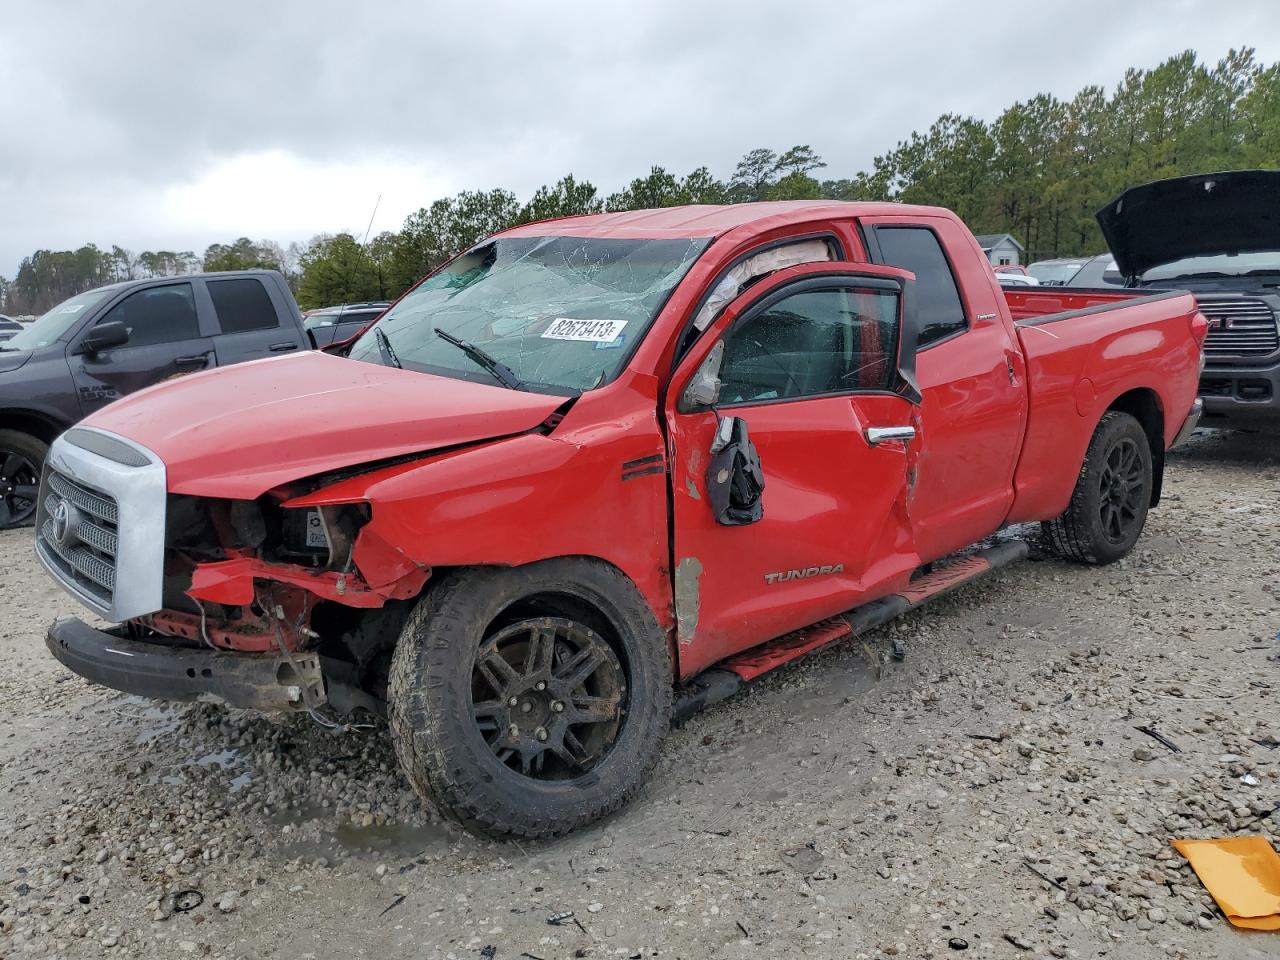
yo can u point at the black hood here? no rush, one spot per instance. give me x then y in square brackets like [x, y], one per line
[1201, 215]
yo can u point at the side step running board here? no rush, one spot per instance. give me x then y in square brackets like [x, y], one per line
[727, 677]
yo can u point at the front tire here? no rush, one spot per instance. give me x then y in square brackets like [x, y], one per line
[532, 701]
[1108, 508]
[21, 459]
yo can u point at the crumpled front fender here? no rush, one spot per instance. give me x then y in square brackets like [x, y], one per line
[231, 582]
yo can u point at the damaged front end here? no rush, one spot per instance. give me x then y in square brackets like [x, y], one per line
[224, 551]
[295, 585]
[261, 606]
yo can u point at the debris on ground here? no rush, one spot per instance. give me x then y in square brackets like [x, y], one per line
[1242, 874]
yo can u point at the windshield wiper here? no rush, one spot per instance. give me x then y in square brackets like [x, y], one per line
[384, 348]
[501, 372]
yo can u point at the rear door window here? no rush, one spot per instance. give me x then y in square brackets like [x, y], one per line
[938, 303]
[242, 304]
[157, 315]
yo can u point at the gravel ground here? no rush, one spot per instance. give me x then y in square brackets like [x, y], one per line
[990, 796]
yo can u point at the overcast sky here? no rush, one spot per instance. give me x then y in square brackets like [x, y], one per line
[172, 125]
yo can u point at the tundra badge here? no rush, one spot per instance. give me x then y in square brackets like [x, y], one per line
[784, 575]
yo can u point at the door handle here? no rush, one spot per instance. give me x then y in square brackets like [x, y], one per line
[201, 358]
[282, 347]
[878, 435]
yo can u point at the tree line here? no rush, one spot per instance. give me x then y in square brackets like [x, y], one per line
[1039, 171]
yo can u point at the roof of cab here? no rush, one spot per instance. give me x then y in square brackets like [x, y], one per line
[707, 220]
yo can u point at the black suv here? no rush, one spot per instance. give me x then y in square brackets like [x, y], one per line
[330, 325]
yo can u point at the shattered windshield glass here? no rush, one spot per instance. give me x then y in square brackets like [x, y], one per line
[558, 313]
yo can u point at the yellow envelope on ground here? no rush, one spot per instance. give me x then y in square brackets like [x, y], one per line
[1242, 874]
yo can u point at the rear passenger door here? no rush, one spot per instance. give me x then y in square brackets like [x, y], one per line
[971, 378]
[254, 320]
[165, 341]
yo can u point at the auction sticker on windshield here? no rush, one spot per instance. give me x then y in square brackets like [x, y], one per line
[592, 331]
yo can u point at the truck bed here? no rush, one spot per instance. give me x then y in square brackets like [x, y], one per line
[1041, 303]
[1085, 350]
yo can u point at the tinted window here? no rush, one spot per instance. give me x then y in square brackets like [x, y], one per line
[242, 304]
[938, 299]
[158, 315]
[810, 343]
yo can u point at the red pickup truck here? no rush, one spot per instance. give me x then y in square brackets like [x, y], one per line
[596, 473]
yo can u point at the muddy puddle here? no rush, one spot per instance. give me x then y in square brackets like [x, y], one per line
[315, 835]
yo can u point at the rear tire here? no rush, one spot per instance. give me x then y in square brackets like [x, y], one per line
[532, 701]
[21, 460]
[1108, 508]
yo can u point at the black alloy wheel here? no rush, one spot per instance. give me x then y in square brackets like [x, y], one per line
[19, 488]
[530, 701]
[1112, 494]
[547, 695]
[1122, 490]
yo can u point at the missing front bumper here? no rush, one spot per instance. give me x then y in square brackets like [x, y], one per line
[246, 680]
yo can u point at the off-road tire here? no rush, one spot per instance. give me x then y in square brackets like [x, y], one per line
[436, 741]
[1079, 533]
[34, 450]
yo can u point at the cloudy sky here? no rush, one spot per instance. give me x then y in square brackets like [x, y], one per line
[174, 124]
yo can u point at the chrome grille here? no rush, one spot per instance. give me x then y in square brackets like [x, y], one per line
[78, 530]
[101, 538]
[85, 562]
[100, 522]
[1239, 327]
[99, 505]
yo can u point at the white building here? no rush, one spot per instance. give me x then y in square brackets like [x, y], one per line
[1001, 249]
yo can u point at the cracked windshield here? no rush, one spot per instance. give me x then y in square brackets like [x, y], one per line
[551, 314]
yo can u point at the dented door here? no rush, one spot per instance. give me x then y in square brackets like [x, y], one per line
[835, 526]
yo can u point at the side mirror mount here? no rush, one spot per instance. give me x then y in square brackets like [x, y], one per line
[105, 336]
[735, 479]
[704, 387]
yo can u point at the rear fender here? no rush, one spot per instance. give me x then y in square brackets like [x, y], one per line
[1145, 362]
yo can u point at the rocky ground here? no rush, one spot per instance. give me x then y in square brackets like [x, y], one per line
[991, 796]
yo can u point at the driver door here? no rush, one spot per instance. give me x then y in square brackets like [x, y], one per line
[816, 363]
[164, 342]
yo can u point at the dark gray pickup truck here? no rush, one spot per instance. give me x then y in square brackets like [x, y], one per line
[105, 343]
[1218, 236]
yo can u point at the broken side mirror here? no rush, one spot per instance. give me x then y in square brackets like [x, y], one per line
[704, 387]
[735, 479]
